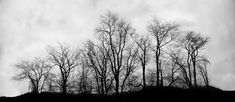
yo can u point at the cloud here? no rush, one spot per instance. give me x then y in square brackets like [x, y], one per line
[226, 82]
[26, 28]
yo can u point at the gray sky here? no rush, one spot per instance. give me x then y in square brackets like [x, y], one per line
[28, 26]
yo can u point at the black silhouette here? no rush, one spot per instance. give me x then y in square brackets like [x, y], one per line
[144, 46]
[190, 44]
[163, 33]
[97, 59]
[107, 69]
[64, 58]
[114, 34]
[36, 71]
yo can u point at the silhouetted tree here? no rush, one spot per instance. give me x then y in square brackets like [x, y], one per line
[143, 54]
[173, 77]
[130, 64]
[182, 62]
[53, 83]
[151, 77]
[114, 34]
[85, 82]
[73, 83]
[163, 33]
[110, 63]
[192, 43]
[66, 59]
[134, 83]
[36, 71]
[98, 59]
[203, 69]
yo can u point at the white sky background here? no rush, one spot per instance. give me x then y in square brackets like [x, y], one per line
[28, 26]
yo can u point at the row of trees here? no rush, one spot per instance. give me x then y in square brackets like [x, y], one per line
[118, 60]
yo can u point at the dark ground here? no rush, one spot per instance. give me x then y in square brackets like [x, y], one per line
[150, 94]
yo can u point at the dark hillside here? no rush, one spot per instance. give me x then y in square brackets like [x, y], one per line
[149, 94]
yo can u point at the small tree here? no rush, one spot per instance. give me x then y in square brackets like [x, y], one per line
[85, 83]
[36, 71]
[151, 77]
[97, 59]
[134, 83]
[174, 69]
[203, 69]
[181, 62]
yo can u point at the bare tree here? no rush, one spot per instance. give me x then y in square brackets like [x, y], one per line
[192, 43]
[134, 83]
[53, 83]
[66, 59]
[181, 63]
[36, 71]
[130, 64]
[163, 33]
[97, 59]
[114, 33]
[173, 71]
[85, 83]
[203, 69]
[144, 45]
[151, 77]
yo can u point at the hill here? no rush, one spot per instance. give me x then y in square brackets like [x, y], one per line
[152, 94]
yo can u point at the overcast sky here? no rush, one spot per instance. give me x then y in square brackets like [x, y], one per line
[28, 26]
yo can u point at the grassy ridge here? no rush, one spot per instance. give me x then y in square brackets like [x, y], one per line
[153, 94]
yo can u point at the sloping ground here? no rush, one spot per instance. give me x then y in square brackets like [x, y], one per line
[150, 94]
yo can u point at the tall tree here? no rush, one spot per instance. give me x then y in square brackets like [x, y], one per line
[144, 45]
[130, 64]
[193, 42]
[114, 34]
[163, 33]
[66, 59]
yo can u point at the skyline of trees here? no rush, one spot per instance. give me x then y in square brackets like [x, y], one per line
[121, 60]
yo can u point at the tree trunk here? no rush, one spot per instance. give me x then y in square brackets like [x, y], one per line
[102, 86]
[64, 88]
[194, 73]
[161, 79]
[144, 83]
[157, 70]
[157, 65]
[117, 85]
[189, 70]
